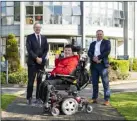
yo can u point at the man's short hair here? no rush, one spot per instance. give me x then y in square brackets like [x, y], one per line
[69, 46]
[99, 30]
[36, 24]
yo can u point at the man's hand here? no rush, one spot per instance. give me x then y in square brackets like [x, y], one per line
[39, 60]
[95, 59]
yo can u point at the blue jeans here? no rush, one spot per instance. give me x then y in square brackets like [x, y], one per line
[96, 71]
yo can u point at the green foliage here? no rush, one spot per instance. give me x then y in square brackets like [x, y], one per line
[19, 77]
[134, 66]
[6, 99]
[126, 104]
[12, 54]
[119, 69]
[3, 78]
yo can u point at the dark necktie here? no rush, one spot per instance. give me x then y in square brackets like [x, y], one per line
[38, 39]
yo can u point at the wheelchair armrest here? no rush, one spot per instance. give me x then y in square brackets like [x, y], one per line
[61, 75]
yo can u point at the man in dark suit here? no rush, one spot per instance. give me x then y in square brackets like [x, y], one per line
[98, 54]
[37, 48]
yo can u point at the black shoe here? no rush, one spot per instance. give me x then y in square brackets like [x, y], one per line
[29, 101]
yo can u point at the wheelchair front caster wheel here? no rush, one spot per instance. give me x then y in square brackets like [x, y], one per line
[45, 109]
[55, 111]
[89, 109]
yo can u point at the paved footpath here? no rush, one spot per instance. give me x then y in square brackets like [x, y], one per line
[19, 110]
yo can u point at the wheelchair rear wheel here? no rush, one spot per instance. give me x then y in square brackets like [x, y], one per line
[69, 106]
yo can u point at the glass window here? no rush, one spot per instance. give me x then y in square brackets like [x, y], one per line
[116, 5]
[103, 11]
[95, 4]
[66, 3]
[102, 4]
[17, 13]
[29, 19]
[47, 3]
[79, 41]
[48, 11]
[28, 3]
[16, 3]
[67, 20]
[38, 3]
[76, 10]
[87, 11]
[9, 11]
[57, 19]
[120, 6]
[95, 10]
[29, 10]
[88, 20]
[3, 4]
[7, 20]
[66, 10]
[110, 4]
[122, 15]
[110, 22]
[39, 10]
[58, 10]
[9, 3]
[103, 21]
[39, 19]
[116, 22]
[76, 20]
[116, 14]
[75, 3]
[3, 10]
[87, 4]
[110, 13]
[122, 23]
[95, 20]
[56, 3]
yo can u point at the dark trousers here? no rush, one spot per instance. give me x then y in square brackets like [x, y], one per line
[98, 70]
[32, 71]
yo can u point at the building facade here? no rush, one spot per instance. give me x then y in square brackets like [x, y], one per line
[63, 22]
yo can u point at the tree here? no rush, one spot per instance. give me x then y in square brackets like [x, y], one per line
[12, 53]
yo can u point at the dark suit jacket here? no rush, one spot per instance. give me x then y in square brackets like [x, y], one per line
[105, 49]
[34, 49]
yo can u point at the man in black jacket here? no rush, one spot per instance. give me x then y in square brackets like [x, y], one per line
[37, 48]
[98, 54]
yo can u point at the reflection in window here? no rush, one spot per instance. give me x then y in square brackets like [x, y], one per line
[95, 20]
[7, 20]
[109, 22]
[17, 13]
[66, 10]
[110, 4]
[57, 19]
[95, 10]
[48, 11]
[39, 10]
[116, 14]
[39, 19]
[9, 3]
[9, 11]
[28, 3]
[116, 22]
[116, 5]
[3, 10]
[76, 10]
[3, 4]
[75, 3]
[103, 11]
[102, 4]
[120, 6]
[29, 10]
[103, 21]
[29, 19]
[95, 4]
[67, 20]
[76, 20]
[57, 10]
[88, 20]
[87, 11]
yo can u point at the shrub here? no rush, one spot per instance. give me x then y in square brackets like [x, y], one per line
[19, 77]
[3, 78]
[12, 54]
[134, 65]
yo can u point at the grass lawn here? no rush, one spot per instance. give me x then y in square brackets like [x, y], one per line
[6, 99]
[126, 104]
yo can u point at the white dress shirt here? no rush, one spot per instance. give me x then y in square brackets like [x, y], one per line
[97, 48]
[39, 38]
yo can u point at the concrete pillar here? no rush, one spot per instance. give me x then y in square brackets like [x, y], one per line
[83, 22]
[22, 23]
[125, 31]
